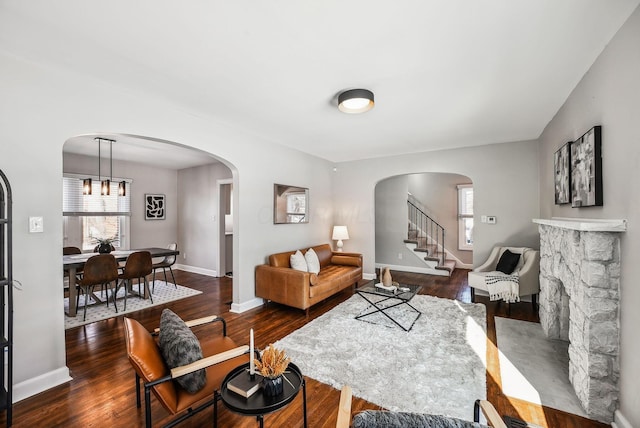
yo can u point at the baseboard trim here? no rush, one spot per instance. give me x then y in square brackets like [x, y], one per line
[238, 308]
[38, 384]
[369, 276]
[201, 271]
[414, 269]
[619, 421]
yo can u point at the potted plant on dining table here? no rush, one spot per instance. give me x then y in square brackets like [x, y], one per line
[105, 245]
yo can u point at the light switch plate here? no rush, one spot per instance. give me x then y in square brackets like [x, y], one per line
[36, 225]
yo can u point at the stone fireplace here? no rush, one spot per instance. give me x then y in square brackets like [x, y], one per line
[579, 297]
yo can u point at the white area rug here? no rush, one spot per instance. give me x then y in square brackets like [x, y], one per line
[164, 292]
[534, 368]
[438, 367]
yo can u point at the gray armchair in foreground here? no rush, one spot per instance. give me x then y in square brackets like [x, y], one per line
[388, 419]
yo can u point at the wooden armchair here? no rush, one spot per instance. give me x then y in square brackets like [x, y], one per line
[388, 419]
[221, 355]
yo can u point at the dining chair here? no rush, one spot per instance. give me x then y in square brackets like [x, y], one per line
[69, 251]
[167, 262]
[99, 270]
[137, 266]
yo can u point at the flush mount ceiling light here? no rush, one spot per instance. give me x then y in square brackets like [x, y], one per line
[355, 101]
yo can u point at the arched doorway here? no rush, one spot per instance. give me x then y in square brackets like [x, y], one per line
[185, 177]
[436, 196]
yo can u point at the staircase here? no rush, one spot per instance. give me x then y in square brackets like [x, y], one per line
[425, 237]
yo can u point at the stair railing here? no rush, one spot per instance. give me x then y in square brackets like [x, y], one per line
[426, 227]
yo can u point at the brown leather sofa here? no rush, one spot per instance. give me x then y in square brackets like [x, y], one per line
[278, 282]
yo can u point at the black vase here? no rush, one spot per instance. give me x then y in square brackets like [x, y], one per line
[104, 248]
[272, 387]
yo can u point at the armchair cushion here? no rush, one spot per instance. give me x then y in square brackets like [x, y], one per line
[179, 346]
[376, 419]
[508, 262]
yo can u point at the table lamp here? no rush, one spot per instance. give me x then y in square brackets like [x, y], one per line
[340, 233]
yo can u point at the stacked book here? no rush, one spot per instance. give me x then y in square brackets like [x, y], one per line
[244, 384]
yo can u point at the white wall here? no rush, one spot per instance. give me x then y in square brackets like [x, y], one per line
[609, 95]
[146, 179]
[41, 108]
[391, 223]
[198, 214]
[505, 179]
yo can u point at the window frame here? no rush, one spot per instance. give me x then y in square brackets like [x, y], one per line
[75, 210]
[463, 217]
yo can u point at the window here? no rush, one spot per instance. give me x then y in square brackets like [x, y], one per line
[87, 217]
[465, 217]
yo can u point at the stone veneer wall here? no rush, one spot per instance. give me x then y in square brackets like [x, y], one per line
[579, 294]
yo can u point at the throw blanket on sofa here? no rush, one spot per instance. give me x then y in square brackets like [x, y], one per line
[503, 286]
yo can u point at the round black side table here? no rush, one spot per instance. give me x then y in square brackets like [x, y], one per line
[259, 404]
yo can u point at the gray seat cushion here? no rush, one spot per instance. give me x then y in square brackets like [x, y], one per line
[384, 419]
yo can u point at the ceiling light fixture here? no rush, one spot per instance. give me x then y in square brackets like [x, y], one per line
[105, 185]
[355, 101]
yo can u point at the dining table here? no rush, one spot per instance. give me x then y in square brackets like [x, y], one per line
[71, 263]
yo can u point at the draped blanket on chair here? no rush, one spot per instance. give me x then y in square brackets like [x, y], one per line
[503, 286]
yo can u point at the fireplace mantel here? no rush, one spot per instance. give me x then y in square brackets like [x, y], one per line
[585, 224]
[579, 302]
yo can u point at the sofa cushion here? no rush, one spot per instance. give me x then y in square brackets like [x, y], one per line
[179, 346]
[324, 254]
[298, 262]
[508, 262]
[313, 264]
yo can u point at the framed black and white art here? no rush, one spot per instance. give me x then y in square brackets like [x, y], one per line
[586, 170]
[562, 174]
[154, 207]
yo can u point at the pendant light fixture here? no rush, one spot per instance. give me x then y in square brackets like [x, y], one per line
[105, 185]
[86, 186]
[355, 101]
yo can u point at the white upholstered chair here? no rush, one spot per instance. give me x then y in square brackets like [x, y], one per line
[528, 269]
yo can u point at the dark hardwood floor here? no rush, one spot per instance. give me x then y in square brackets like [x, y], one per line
[102, 391]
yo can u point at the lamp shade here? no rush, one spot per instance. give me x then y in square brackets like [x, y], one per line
[340, 232]
[355, 101]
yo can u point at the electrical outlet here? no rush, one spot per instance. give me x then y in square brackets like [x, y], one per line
[400, 256]
[491, 219]
[184, 256]
[483, 219]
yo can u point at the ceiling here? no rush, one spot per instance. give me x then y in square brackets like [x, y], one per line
[445, 73]
[155, 152]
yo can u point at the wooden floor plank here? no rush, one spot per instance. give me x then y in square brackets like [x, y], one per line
[102, 390]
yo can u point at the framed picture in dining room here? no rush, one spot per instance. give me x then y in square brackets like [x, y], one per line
[154, 207]
[586, 169]
[562, 174]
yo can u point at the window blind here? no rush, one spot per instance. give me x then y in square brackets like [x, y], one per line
[465, 200]
[74, 203]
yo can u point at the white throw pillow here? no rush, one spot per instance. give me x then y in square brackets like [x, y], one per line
[313, 263]
[298, 262]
